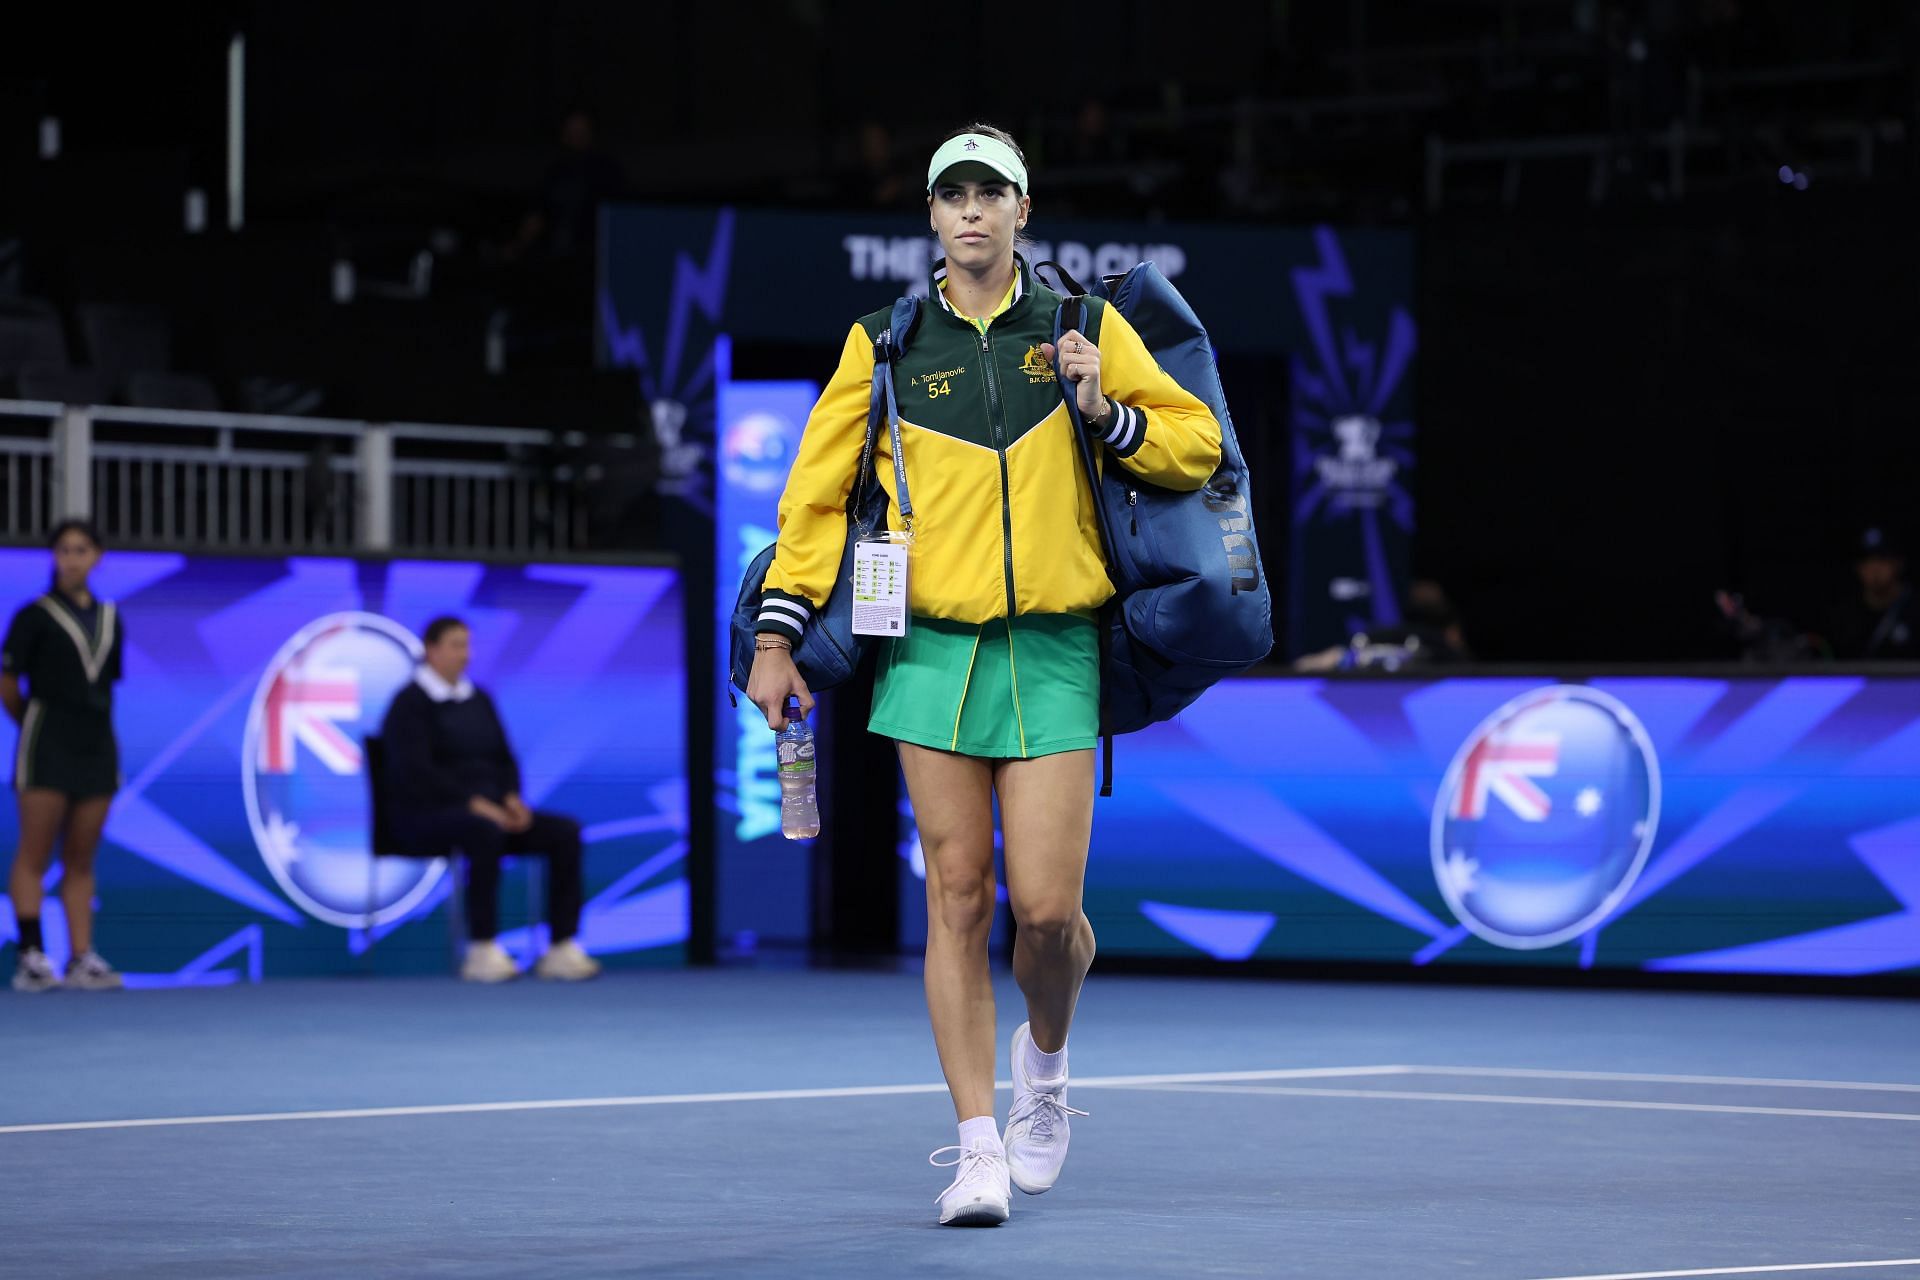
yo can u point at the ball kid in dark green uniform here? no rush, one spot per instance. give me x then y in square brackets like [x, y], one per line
[65, 646]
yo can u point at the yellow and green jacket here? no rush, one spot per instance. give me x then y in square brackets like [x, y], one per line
[1004, 519]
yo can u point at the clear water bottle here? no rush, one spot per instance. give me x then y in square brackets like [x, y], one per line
[799, 802]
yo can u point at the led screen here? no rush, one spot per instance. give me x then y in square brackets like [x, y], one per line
[1746, 825]
[237, 846]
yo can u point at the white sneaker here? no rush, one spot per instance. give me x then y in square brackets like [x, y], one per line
[35, 972]
[566, 961]
[978, 1195]
[1037, 1128]
[488, 962]
[91, 972]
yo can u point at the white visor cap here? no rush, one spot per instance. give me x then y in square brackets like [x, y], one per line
[977, 148]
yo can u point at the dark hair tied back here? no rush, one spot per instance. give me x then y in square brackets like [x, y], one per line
[82, 527]
[986, 130]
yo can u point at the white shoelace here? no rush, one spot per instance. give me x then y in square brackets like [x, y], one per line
[973, 1162]
[1042, 1109]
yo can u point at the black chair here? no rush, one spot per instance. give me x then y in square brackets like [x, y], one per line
[67, 386]
[13, 264]
[125, 338]
[30, 335]
[382, 843]
[172, 391]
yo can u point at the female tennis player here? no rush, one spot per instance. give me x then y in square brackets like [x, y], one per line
[994, 689]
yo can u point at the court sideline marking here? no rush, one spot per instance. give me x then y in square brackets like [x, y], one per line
[1744, 1271]
[673, 1099]
[1525, 1100]
[1641, 1077]
[1174, 1082]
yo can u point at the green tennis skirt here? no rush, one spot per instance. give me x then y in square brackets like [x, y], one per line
[1009, 689]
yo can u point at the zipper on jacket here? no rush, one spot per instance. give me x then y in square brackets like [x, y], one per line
[997, 423]
[1133, 515]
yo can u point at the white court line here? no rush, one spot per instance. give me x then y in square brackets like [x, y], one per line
[1524, 1100]
[673, 1099]
[1744, 1271]
[1169, 1082]
[1636, 1077]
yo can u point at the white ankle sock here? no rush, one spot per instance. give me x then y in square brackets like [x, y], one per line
[1045, 1066]
[981, 1131]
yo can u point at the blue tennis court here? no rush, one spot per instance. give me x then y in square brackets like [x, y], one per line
[777, 1122]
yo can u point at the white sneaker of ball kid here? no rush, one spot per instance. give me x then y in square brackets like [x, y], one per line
[566, 961]
[488, 962]
[1037, 1127]
[91, 972]
[978, 1196]
[35, 972]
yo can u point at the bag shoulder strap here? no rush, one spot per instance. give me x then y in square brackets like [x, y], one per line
[883, 407]
[1068, 317]
[1069, 285]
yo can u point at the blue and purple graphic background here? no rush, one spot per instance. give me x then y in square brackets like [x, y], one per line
[763, 881]
[585, 662]
[1292, 819]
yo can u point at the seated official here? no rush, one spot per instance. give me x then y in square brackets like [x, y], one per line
[454, 787]
[1880, 621]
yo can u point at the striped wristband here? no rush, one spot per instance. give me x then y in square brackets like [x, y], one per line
[1126, 430]
[783, 614]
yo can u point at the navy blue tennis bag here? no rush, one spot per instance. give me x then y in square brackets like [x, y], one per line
[1191, 604]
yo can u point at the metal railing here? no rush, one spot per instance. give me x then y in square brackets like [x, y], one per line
[26, 484]
[474, 507]
[259, 482]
